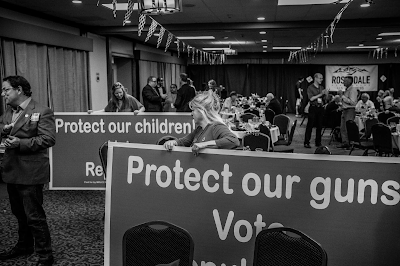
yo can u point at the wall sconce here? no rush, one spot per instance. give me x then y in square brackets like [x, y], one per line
[159, 7]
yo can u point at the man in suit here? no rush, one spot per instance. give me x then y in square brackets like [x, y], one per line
[29, 130]
[185, 94]
[153, 98]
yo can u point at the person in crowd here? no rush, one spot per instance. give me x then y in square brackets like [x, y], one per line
[364, 104]
[121, 101]
[274, 104]
[152, 97]
[391, 92]
[185, 94]
[316, 94]
[170, 100]
[334, 103]
[389, 106]
[230, 102]
[191, 83]
[161, 86]
[211, 85]
[299, 95]
[29, 130]
[210, 132]
[349, 101]
[379, 101]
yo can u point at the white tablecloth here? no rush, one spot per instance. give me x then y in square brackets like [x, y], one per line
[274, 133]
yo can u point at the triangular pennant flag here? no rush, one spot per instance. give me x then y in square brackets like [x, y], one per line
[114, 5]
[160, 37]
[169, 40]
[152, 29]
[142, 22]
[177, 47]
[128, 12]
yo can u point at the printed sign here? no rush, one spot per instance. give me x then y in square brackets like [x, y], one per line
[223, 198]
[365, 77]
[75, 157]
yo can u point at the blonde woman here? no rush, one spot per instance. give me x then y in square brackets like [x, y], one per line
[210, 132]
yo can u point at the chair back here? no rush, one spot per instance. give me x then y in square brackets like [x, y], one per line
[352, 132]
[283, 122]
[393, 119]
[287, 246]
[383, 117]
[164, 139]
[269, 115]
[382, 139]
[368, 126]
[103, 150]
[254, 111]
[246, 116]
[256, 140]
[157, 242]
[265, 130]
[291, 134]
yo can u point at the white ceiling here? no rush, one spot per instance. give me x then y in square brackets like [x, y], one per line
[236, 20]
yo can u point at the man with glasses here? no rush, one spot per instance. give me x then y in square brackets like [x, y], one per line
[29, 130]
[152, 97]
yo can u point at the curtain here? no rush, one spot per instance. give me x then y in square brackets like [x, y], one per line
[58, 76]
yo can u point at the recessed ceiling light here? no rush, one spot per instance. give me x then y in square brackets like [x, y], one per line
[77, 2]
[265, 46]
[365, 5]
[286, 48]
[264, 51]
[263, 32]
[361, 44]
[196, 37]
[226, 38]
[379, 38]
[128, 21]
[363, 47]
[260, 18]
[263, 40]
[389, 34]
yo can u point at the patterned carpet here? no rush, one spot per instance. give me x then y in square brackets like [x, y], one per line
[76, 225]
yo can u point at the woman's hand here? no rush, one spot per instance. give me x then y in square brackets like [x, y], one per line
[136, 112]
[197, 147]
[169, 145]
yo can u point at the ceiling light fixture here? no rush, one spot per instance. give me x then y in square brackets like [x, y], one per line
[121, 6]
[196, 37]
[230, 42]
[286, 48]
[159, 7]
[264, 51]
[363, 47]
[263, 40]
[389, 34]
[379, 38]
[263, 32]
[260, 18]
[265, 46]
[77, 2]
[367, 3]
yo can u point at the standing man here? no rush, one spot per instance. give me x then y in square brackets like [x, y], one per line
[316, 93]
[160, 85]
[185, 94]
[349, 101]
[299, 95]
[29, 130]
[152, 97]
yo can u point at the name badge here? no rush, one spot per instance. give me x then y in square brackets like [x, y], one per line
[35, 117]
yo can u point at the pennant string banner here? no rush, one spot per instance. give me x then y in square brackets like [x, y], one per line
[128, 12]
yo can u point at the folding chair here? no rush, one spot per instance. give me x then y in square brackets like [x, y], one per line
[157, 242]
[354, 138]
[246, 117]
[382, 140]
[256, 140]
[284, 246]
[283, 122]
[383, 116]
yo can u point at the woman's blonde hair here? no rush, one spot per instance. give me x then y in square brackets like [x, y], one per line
[208, 104]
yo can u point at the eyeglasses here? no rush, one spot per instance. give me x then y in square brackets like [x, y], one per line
[5, 90]
[153, 80]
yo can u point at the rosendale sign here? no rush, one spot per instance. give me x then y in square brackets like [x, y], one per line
[75, 157]
[350, 205]
[365, 77]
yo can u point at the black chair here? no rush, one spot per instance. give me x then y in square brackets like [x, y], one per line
[256, 140]
[382, 140]
[164, 139]
[383, 117]
[157, 242]
[246, 116]
[333, 122]
[269, 115]
[284, 246]
[355, 140]
[369, 123]
[281, 148]
[254, 111]
[283, 122]
[290, 138]
[393, 119]
[103, 150]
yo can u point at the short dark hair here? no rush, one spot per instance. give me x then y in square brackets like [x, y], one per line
[350, 77]
[160, 79]
[233, 93]
[16, 81]
[183, 77]
[150, 78]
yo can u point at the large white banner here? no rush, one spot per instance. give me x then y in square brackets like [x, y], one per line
[365, 77]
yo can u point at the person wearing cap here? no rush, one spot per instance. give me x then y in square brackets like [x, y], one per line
[230, 102]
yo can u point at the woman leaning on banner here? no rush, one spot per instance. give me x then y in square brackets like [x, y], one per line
[210, 132]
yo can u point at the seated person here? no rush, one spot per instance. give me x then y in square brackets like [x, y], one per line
[389, 105]
[274, 104]
[379, 101]
[210, 132]
[230, 102]
[365, 104]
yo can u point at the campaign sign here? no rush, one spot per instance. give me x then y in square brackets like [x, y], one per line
[75, 158]
[223, 198]
[365, 77]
